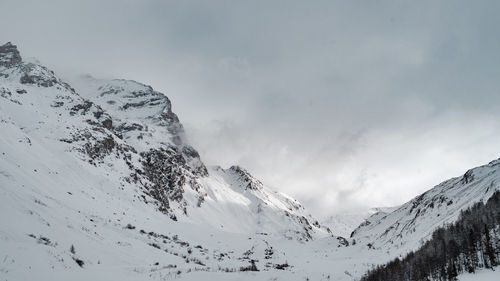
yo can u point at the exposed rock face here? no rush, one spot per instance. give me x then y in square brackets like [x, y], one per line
[143, 118]
[129, 98]
[246, 179]
[128, 131]
[9, 55]
[166, 174]
[193, 160]
[34, 74]
[468, 177]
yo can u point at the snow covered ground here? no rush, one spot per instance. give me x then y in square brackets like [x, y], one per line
[482, 275]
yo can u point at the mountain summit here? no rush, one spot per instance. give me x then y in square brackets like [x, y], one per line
[9, 55]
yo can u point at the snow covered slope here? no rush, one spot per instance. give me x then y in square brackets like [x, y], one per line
[130, 128]
[103, 175]
[413, 223]
[482, 275]
[343, 224]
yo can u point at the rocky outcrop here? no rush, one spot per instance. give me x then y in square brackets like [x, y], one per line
[165, 174]
[247, 181]
[133, 99]
[9, 55]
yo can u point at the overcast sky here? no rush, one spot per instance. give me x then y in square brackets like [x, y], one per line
[341, 104]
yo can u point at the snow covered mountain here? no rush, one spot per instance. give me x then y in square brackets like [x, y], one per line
[98, 181]
[103, 154]
[344, 223]
[410, 225]
[131, 130]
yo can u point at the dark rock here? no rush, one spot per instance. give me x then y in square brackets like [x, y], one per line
[9, 55]
[281, 266]
[193, 159]
[468, 177]
[127, 127]
[166, 173]
[108, 124]
[163, 168]
[190, 152]
[247, 180]
[83, 107]
[100, 148]
[39, 75]
[57, 104]
[79, 261]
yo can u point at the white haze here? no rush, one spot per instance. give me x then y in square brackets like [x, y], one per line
[342, 104]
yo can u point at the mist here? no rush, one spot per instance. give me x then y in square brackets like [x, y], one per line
[344, 105]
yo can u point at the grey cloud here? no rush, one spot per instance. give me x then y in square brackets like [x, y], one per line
[340, 103]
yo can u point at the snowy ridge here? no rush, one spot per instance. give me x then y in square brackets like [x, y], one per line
[260, 210]
[410, 225]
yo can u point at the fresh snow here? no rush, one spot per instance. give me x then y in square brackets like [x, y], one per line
[58, 193]
[482, 275]
[407, 227]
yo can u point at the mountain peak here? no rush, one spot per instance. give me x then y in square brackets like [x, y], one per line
[248, 181]
[9, 55]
